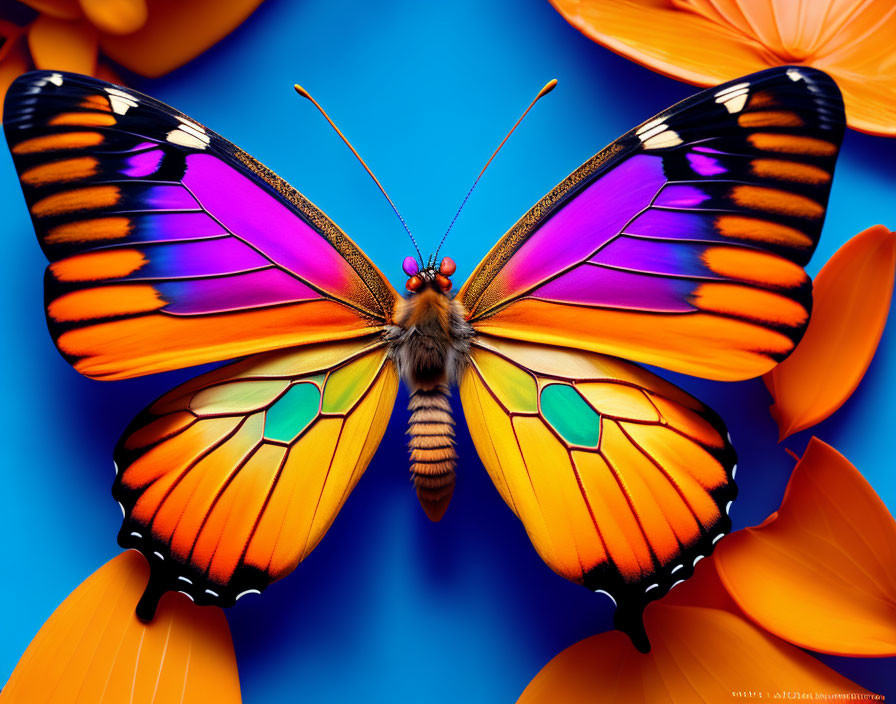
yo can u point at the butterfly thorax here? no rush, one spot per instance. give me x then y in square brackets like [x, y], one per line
[430, 346]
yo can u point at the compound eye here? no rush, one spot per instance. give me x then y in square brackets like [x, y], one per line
[410, 267]
[414, 283]
[447, 267]
[444, 282]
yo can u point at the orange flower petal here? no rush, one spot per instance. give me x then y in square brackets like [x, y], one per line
[821, 573]
[861, 63]
[60, 9]
[93, 648]
[710, 41]
[851, 301]
[62, 45]
[184, 29]
[115, 16]
[699, 654]
[106, 73]
[13, 62]
[683, 45]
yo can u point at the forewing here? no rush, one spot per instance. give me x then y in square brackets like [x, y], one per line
[230, 480]
[621, 479]
[169, 246]
[682, 243]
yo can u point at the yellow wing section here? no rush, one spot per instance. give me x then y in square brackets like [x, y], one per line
[621, 479]
[232, 479]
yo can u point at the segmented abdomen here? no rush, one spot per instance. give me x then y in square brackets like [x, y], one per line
[433, 458]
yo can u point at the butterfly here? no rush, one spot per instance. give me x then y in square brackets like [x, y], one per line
[680, 245]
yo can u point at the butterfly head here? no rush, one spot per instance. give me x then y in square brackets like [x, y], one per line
[432, 276]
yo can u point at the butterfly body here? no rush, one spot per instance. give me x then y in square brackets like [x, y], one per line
[430, 344]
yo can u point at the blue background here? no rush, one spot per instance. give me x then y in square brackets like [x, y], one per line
[391, 607]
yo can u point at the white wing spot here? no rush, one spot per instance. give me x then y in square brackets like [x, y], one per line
[185, 139]
[718, 538]
[55, 79]
[732, 89]
[666, 138]
[650, 125]
[734, 102]
[601, 591]
[248, 591]
[676, 568]
[120, 101]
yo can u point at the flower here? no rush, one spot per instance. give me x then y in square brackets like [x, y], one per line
[148, 37]
[93, 648]
[851, 299]
[819, 573]
[707, 42]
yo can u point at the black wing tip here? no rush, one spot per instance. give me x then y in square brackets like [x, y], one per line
[168, 574]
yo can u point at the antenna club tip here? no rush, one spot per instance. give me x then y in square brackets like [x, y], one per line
[301, 91]
[548, 87]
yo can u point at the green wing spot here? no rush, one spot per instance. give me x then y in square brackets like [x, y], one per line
[564, 408]
[292, 413]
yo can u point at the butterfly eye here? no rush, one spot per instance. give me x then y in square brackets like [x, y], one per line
[409, 266]
[447, 267]
[444, 282]
[414, 283]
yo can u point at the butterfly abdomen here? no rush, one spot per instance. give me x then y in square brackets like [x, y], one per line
[430, 345]
[433, 458]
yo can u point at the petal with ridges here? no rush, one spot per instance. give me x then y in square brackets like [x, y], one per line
[851, 301]
[821, 572]
[93, 648]
[682, 45]
[706, 42]
[699, 654]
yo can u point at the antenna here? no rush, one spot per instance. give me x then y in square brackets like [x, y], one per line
[305, 94]
[548, 87]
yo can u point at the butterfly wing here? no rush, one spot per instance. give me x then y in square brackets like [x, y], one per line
[169, 246]
[682, 243]
[230, 480]
[621, 479]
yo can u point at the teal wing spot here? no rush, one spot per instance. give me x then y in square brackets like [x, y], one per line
[292, 413]
[570, 415]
